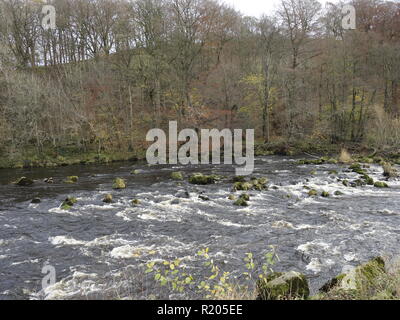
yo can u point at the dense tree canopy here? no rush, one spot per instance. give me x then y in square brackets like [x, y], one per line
[112, 69]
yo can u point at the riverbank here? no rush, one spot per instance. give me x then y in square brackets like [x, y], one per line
[50, 158]
[61, 157]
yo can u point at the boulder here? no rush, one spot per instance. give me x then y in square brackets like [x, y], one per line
[241, 202]
[108, 198]
[288, 285]
[119, 184]
[71, 179]
[177, 175]
[23, 182]
[325, 194]
[380, 184]
[312, 192]
[231, 197]
[204, 198]
[135, 202]
[362, 277]
[200, 179]
[68, 203]
[389, 171]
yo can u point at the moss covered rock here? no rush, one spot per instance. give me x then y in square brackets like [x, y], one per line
[241, 202]
[119, 184]
[368, 180]
[231, 197]
[242, 186]
[200, 179]
[108, 198]
[135, 202]
[177, 175]
[71, 179]
[380, 184]
[289, 285]
[325, 194]
[23, 182]
[338, 193]
[362, 279]
[239, 179]
[68, 203]
[312, 192]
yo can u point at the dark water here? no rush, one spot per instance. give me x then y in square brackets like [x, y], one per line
[99, 250]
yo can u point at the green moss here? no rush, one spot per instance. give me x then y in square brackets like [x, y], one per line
[242, 186]
[68, 203]
[325, 194]
[380, 184]
[368, 180]
[333, 283]
[119, 184]
[71, 179]
[241, 202]
[177, 175]
[346, 183]
[200, 179]
[239, 179]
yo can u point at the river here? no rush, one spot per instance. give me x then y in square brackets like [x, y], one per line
[99, 250]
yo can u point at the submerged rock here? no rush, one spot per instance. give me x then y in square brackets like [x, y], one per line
[36, 200]
[204, 198]
[177, 175]
[119, 184]
[288, 285]
[183, 194]
[338, 193]
[23, 182]
[108, 198]
[71, 179]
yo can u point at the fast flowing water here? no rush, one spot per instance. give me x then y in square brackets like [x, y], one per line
[100, 250]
